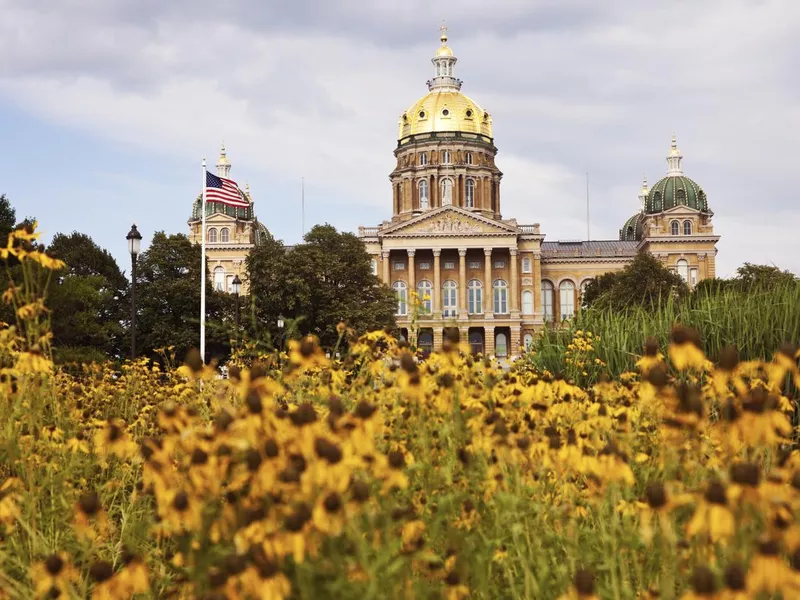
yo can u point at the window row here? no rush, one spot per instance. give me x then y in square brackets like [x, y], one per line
[446, 158]
[566, 299]
[446, 192]
[450, 265]
[689, 275]
[223, 235]
[675, 228]
[223, 282]
[450, 297]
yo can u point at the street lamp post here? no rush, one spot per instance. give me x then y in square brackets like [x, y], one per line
[237, 287]
[280, 326]
[134, 247]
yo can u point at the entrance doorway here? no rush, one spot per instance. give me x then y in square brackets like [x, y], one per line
[476, 341]
[425, 341]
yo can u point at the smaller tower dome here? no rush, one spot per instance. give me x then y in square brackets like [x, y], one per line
[675, 189]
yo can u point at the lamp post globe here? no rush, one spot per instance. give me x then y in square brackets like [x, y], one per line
[134, 247]
[237, 287]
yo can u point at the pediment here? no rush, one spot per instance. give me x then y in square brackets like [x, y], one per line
[449, 221]
[681, 209]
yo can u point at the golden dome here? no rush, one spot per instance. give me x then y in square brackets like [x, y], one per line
[444, 51]
[445, 111]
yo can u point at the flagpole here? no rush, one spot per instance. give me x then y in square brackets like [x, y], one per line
[203, 273]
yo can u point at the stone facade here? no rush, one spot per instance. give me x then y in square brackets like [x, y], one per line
[231, 232]
[456, 264]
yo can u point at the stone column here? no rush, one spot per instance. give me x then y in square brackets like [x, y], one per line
[412, 280]
[437, 286]
[538, 309]
[437, 338]
[514, 300]
[488, 341]
[386, 276]
[488, 291]
[514, 342]
[462, 283]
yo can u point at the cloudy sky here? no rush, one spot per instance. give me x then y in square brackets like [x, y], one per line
[108, 106]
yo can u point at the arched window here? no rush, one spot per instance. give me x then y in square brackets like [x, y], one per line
[527, 302]
[447, 191]
[219, 278]
[469, 158]
[566, 298]
[449, 299]
[584, 284]
[401, 293]
[548, 297]
[500, 297]
[469, 200]
[445, 157]
[527, 342]
[683, 269]
[675, 228]
[526, 265]
[212, 235]
[423, 158]
[501, 345]
[475, 297]
[423, 194]
[224, 235]
[657, 201]
[425, 293]
[687, 228]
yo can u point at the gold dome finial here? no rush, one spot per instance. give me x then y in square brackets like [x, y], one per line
[444, 49]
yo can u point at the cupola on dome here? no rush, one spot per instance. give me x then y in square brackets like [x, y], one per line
[444, 108]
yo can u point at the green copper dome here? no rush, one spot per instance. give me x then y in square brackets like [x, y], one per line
[633, 229]
[675, 190]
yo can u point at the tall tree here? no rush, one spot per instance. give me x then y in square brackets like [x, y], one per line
[8, 219]
[325, 280]
[644, 282]
[168, 300]
[88, 300]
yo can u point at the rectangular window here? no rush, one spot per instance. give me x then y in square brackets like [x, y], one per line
[693, 276]
[474, 264]
[399, 266]
[449, 264]
[423, 158]
[424, 266]
[474, 301]
[526, 265]
[499, 264]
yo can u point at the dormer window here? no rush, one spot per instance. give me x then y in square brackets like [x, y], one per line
[680, 196]
[445, 112]
[468, 114]
[422, 114]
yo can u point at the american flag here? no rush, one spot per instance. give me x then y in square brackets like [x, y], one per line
[219, 189]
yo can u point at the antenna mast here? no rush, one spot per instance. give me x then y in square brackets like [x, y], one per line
[588, 231]
[303, 205]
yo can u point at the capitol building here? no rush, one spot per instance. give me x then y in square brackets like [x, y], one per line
[456, 265]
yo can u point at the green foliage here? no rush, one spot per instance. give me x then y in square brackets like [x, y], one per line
[88, 299]
[756, 321]
[8, 219]
[645, 282]
[325, 280]
[168, 301]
